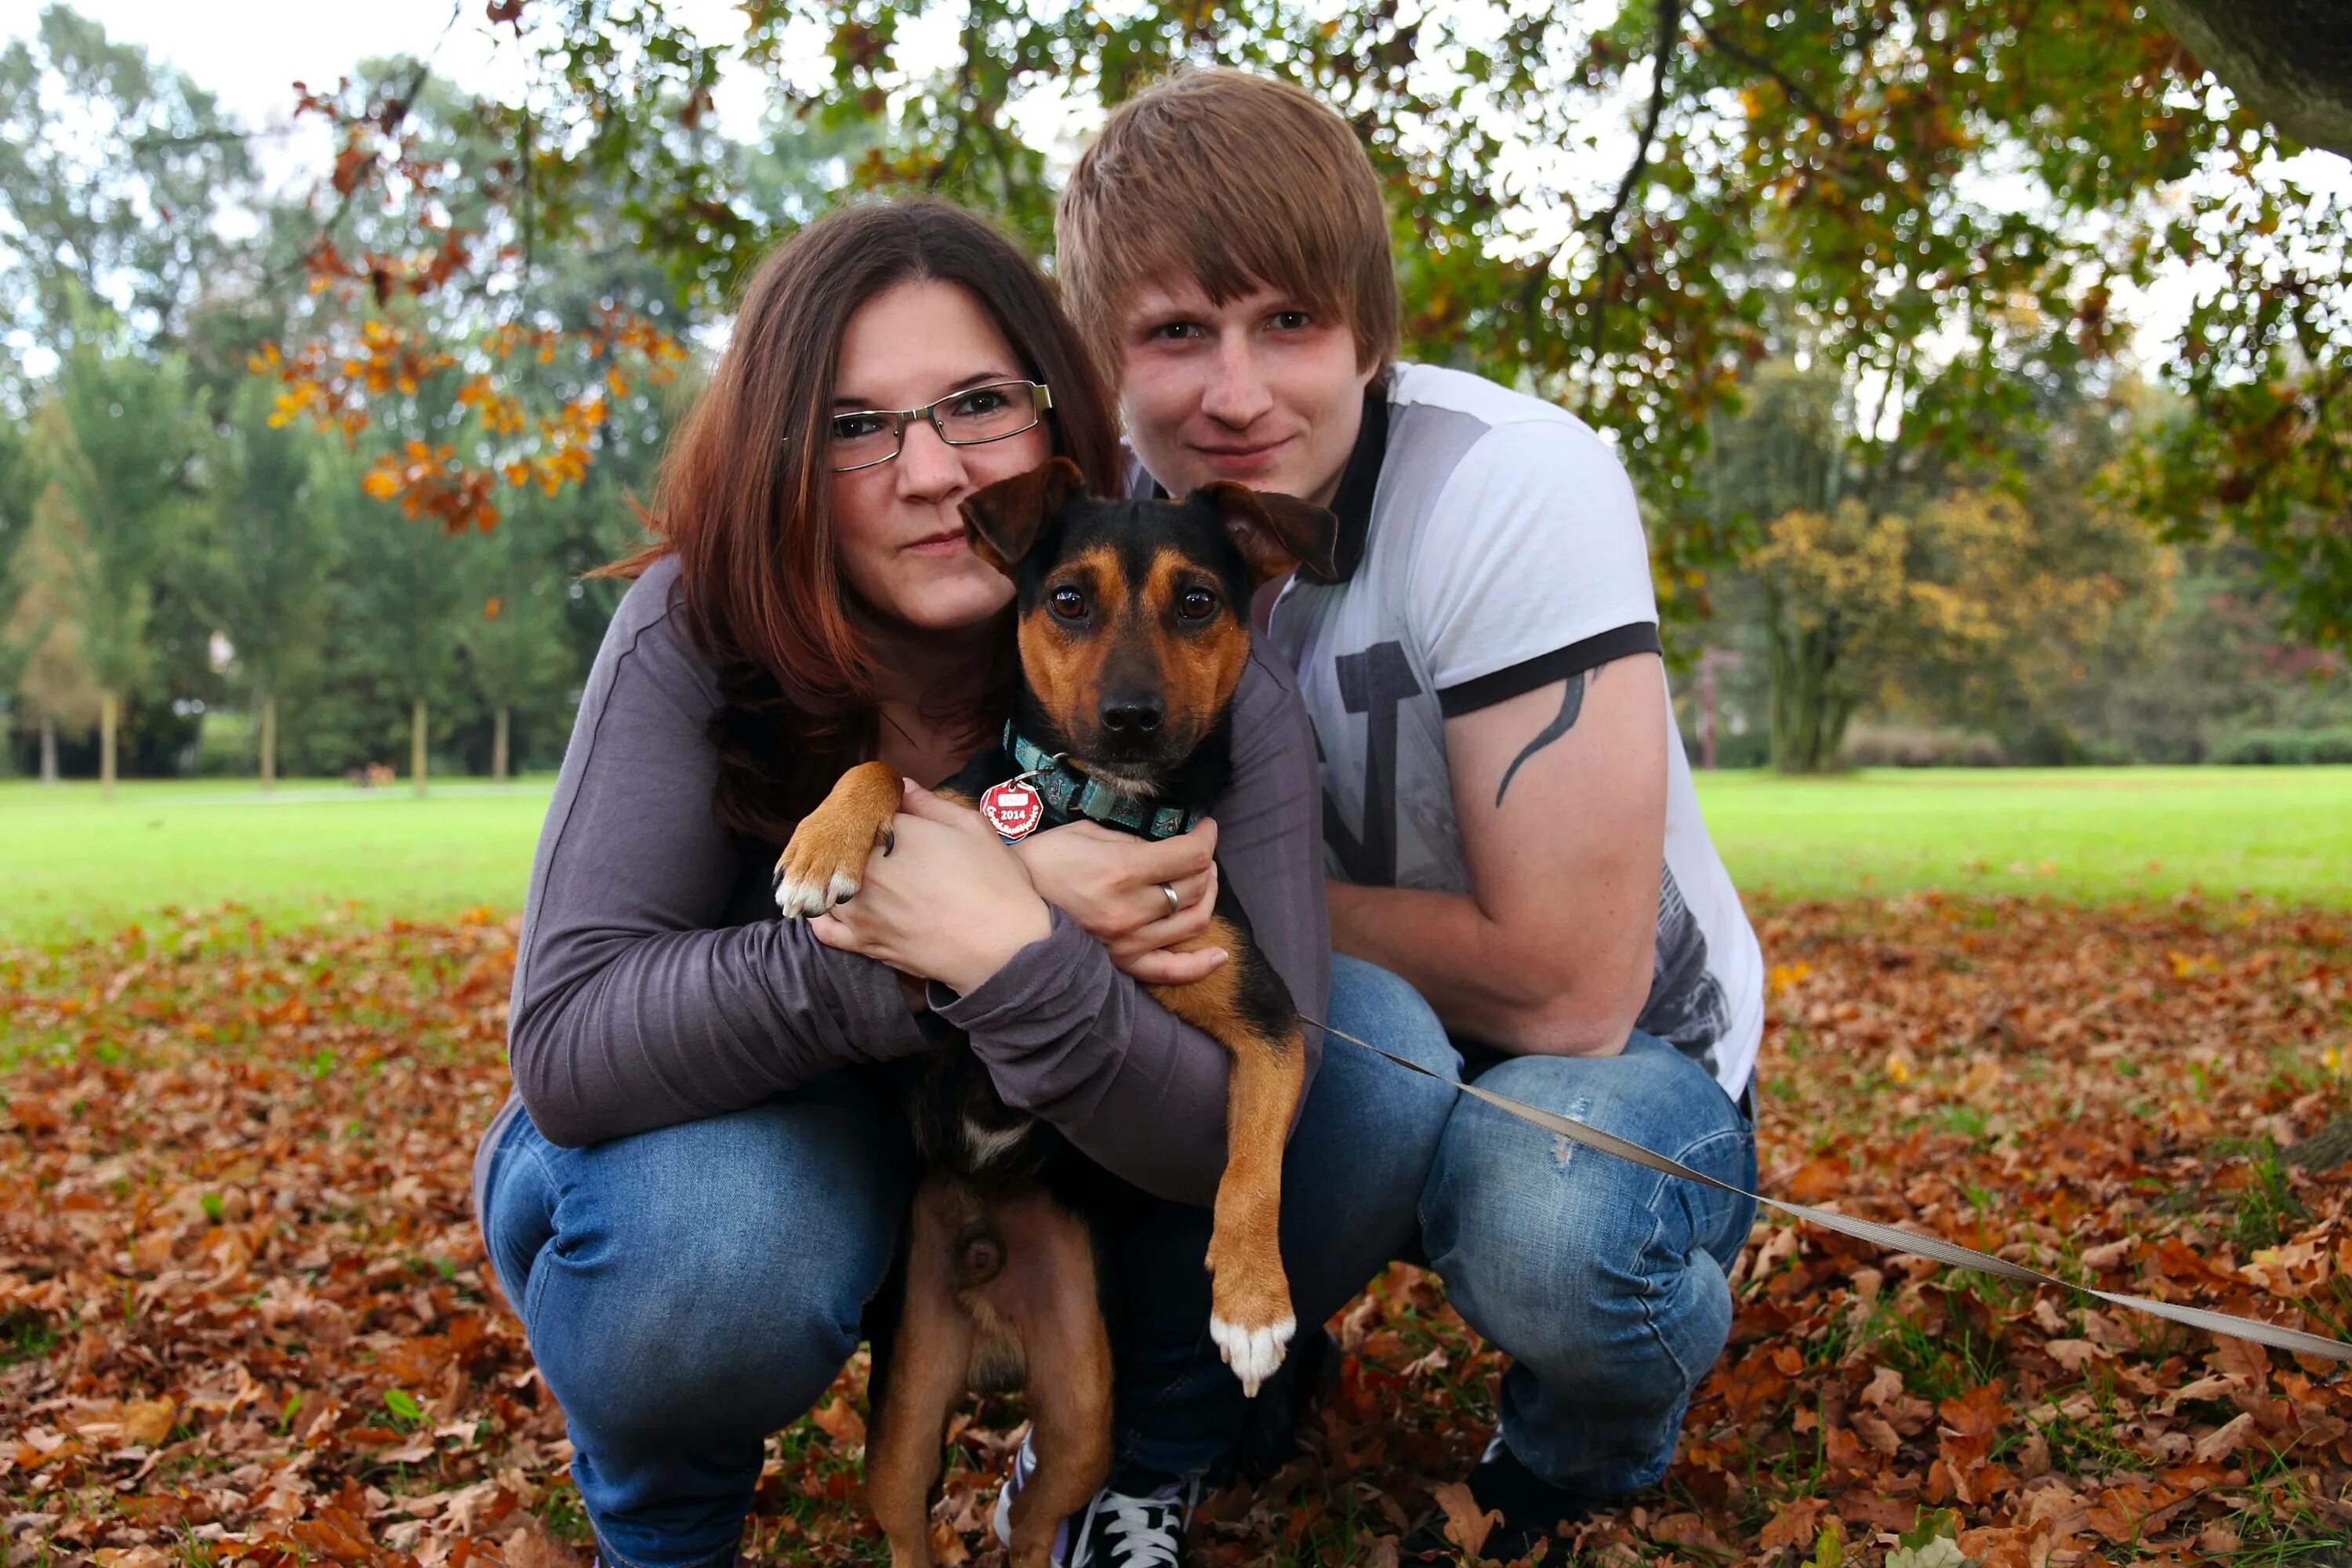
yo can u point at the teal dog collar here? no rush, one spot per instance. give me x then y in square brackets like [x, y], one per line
[1067, 790]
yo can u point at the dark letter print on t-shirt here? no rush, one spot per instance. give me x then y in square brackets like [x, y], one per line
[1373, 682]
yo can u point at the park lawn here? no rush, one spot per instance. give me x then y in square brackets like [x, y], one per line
[72, 866]
[2084, 834]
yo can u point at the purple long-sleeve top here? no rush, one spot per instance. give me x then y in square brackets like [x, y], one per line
[654, 982]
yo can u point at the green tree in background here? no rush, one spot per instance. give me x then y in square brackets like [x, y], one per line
[1649, 215]
[517, 651]
[53, 675]
[19, 487]
[399, 592]
[266, 579]
[47, 667]
[124, 435]
[111, 167]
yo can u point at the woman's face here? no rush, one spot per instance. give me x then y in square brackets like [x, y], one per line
[900, 536]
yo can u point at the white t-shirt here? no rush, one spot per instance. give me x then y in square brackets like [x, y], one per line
[1490, 545]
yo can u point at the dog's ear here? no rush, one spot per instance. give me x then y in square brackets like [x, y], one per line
[1001, 520]
[1274, 532]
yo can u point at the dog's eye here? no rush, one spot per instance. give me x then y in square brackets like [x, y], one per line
[1067, 602]
[1197, 604]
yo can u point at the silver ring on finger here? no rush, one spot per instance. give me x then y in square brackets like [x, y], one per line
[1174, 903]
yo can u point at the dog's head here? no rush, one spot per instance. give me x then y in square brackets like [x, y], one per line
[1134, 616]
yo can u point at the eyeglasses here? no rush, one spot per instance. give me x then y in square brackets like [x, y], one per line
[966, 418]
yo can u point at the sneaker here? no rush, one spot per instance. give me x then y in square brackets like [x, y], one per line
[1533, 1510]
[1137, 1521]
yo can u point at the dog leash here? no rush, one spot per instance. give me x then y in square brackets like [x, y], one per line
[1872, 1231]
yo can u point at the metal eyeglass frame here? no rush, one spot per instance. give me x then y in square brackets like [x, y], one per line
[1041, 402]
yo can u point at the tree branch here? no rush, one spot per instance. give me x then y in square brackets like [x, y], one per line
[1669, 34]
[1670, 20]
[1780, 79]
[155, 142]
[1670, 17]
[405, 98]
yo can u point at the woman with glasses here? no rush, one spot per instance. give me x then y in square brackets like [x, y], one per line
[692, 1197]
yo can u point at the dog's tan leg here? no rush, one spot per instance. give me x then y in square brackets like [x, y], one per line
[929, 1358]
[824, 864]
[1047, 1294]
[1250, 1313]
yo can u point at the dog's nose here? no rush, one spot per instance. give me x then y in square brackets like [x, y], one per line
[1132, 714]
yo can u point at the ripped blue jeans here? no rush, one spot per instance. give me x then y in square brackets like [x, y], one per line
[1603, 1281]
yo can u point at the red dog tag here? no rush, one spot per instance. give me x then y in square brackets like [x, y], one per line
[1012, 809]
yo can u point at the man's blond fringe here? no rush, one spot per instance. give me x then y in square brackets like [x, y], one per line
[1235, 181]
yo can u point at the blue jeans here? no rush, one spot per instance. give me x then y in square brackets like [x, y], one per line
[689, 1291]
[1603, 1281]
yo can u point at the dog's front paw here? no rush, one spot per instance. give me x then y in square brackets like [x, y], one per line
[1250, 1315]
[823, 865]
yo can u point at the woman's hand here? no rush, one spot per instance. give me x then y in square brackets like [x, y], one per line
[950, 903]
[1109, 882]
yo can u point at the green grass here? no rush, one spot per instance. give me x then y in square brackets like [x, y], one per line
[2094, 834]
[70, 865]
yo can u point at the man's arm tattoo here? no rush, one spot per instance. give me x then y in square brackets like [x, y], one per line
[1571, 703]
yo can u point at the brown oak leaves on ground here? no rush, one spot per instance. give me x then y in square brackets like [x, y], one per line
[245, 1314]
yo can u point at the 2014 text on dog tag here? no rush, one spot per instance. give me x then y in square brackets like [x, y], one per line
[1013, 808]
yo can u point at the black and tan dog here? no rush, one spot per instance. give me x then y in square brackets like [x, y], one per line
[1134, 631]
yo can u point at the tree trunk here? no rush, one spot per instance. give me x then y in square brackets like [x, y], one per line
[2290, 61]
[1707, 695]
[416, 743]
[110, 710]
[1811, 704]
[270, 741]
[48, 747]
[498, 744]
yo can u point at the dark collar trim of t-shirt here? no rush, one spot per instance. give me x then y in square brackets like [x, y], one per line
[1358, 482]
[1528, 675]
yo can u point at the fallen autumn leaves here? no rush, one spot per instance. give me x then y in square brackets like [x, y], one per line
[244, 1312]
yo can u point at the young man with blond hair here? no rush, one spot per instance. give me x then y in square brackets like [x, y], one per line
[1521, 888]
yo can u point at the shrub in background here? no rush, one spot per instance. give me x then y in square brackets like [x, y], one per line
[2290, 748]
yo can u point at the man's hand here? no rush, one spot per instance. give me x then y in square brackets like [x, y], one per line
[1109, 882]
[1561, 797]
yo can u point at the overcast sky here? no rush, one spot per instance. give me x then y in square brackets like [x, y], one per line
[250, 53]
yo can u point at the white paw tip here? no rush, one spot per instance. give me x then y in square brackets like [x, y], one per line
[1253, 1353]
[797, 899]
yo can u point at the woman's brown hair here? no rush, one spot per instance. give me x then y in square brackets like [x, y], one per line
[744, 499]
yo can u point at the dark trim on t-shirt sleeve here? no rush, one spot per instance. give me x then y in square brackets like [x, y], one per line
[1528, 675]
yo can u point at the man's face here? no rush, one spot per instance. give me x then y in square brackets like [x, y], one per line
[1257, 390]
